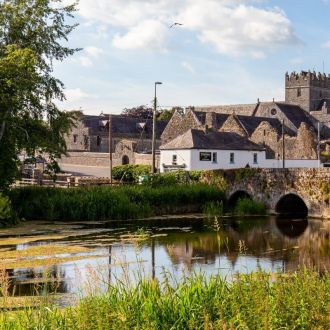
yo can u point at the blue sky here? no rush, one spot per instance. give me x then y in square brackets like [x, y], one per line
[226, 51]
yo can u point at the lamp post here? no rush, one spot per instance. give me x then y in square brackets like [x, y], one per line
[153, 168]
[110, 148]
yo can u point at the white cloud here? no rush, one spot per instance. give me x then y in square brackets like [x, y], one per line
[188, 66]
[94, 51]
[148, 34]
[84, 61]
[75, 95]
[326, 44]
[232, 27]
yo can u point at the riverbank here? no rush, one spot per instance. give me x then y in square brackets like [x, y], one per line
[257, 301]
[111, 203]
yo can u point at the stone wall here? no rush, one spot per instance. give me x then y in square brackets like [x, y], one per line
[179, 124]
[270, 185]
[102, 159]
[232, 125]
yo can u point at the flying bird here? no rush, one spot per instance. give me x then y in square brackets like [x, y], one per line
[174, 24]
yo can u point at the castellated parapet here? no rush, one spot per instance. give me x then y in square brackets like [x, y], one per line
[307, 78]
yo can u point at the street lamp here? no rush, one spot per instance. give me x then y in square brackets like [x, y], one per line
[153, 168]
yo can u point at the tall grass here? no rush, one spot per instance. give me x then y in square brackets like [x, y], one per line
[295, 301]
[247, 206]
[106, 203]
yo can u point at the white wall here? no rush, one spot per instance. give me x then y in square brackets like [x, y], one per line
[191, 160]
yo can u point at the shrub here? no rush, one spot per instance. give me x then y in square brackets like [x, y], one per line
[7, 215]
[247, 206]
[130, 173]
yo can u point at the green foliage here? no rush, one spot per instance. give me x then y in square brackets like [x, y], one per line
[170, 178]
[130, 173]
[31, 32]
[196, 175]
[256, 301]
[244, 173]
[106, 203]
[326, 191]
[247, 206]
[7, 215]
[213, 209]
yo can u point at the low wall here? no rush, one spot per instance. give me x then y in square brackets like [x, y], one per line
[102, 159]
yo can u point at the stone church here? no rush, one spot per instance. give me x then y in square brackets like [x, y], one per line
[306, 110]
[88, 142]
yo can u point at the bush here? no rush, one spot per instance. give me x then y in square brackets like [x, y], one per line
[107, 203]
[7, 215]
[247, 206]
[130, 173]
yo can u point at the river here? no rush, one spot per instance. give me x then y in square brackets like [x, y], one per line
[76, 259]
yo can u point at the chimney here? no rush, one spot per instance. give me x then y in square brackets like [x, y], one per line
[211, 120]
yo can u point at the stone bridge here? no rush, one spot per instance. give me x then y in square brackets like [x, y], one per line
[284, 191]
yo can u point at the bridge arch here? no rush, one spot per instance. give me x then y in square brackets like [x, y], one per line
[234, 197]
[291, 205]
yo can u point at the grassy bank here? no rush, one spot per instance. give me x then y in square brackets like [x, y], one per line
[256, 301]
[106, 203]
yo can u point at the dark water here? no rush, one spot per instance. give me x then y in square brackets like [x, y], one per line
[178, 246]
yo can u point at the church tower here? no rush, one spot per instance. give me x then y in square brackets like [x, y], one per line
[309, 90]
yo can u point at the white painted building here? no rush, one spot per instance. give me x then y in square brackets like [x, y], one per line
[212, 150]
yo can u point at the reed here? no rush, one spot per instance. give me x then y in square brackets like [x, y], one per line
[247, 206]
[256, 301]
[107, 203]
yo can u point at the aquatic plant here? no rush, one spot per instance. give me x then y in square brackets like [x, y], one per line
[107, 203]
[247, 206]
[213, 209]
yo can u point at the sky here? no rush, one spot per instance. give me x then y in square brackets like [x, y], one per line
[225, 51]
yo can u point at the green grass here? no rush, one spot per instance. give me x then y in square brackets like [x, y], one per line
[107, 203]
[247, 206]
[256, 301]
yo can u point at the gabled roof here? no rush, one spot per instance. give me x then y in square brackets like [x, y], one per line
[200, 139]
[250, 124]
[125, 124]
[295, 114]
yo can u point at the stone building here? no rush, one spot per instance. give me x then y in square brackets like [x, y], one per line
[297, 119]
[88, 142]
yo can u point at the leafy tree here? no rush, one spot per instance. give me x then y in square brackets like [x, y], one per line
[32, 33]
[141, 111]
[167, 114]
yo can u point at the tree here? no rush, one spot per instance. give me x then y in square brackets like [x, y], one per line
[31, 37]
[141, 111]
[167, 114]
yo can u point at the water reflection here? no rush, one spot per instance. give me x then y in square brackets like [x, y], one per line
[177, 245]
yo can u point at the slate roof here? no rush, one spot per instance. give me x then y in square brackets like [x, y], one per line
[251, 123]
[219, 117]
[125, 125]
[199, 139]
[295, 114]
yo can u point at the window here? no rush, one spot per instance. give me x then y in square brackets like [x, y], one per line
[174, 159]
[205, 156]
[255, 158]
[98, 141]
[273, 112]
[75, 138]
[214, 157]
[232, 158]
[298, 92]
